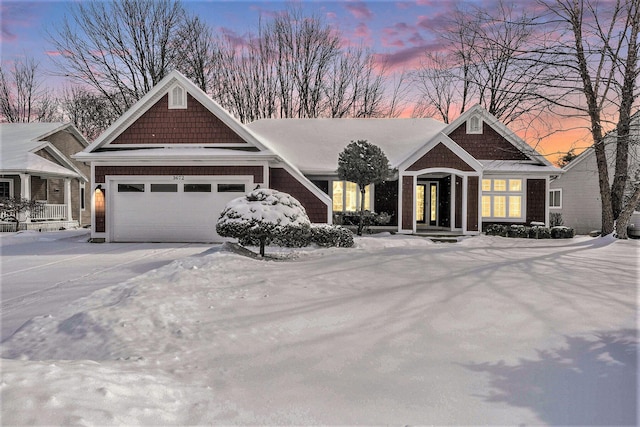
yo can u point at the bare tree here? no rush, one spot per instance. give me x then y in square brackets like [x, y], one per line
[484, 66]
[119, 47]
[296, 66]
[91, 113]
[195, 51]
[596, 64]
[22, 97]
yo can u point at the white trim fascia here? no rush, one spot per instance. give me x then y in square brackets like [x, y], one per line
[108, 156]
[442, 170]
[450, 144]
[58, 155]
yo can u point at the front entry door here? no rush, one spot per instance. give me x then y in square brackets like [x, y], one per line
[427, 204]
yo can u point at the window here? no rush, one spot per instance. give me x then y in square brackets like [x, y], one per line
[555, 198]
[82, 198]
[164, 188]
[346, 196]
[197, 188]
[130, 188]
[6, 189]
[177, 98]
[502, 198]
[474, 125]
[231, 188]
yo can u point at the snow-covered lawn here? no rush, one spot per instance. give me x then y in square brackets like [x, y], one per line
[397, 330]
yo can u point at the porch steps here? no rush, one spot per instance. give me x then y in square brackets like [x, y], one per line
[441, 238]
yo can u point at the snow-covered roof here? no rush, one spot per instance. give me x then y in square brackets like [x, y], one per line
[518, 166]
[20, 141]
[313, 145]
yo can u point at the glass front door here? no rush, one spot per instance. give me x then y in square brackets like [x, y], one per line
[427, 203]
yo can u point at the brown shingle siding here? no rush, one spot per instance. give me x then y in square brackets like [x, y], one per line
[407, 203]
[472, 203]
[440, 156]
[536, 200]
[193, 125]
[281, 180]
[489, 145]
[256, 171]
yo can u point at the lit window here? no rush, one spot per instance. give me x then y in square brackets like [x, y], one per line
[502, 198]
[515, 185]
[486, 206]
[346, 197]
[420, 203]
[515, 206]
[499, 206]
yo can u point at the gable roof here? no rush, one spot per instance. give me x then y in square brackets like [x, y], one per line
[20, 141]
[154, 95]
[610, 147]
[501, 129]
[313, 145]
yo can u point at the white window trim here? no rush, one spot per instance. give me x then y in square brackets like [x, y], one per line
[472, 131]
[522, 193]
[553, 190]
[10, 181]
[177, 104]
[369, 195]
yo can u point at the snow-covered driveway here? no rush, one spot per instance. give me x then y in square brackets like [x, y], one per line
[42, 272]
[488, 331]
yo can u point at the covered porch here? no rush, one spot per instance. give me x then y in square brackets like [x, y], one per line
[440, 202]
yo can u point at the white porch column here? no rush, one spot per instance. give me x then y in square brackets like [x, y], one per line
[67, 198]
[465, 182]
[25, 191]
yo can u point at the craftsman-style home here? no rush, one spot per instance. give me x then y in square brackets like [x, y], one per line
[166, 168]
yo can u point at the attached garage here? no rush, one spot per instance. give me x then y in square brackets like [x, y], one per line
[170, 209]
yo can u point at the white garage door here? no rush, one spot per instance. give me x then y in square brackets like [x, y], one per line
[184, 209]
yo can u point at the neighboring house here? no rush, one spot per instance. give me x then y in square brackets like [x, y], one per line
[36, 164]
[166, 168]
[576, 193]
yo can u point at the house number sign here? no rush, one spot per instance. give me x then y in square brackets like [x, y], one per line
[178, 177]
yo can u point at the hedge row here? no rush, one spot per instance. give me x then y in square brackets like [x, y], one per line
[324, 235]
[533, 232]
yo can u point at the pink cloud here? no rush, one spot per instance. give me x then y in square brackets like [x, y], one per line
[359, 10]
[403, 5]
[362, 31]
[14, 15]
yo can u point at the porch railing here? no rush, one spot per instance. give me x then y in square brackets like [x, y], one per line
[50, 212]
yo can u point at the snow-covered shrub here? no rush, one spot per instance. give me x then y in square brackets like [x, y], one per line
[331, 236]
[262, 216]
[496, 230]
[518, 231]
[562, 232]
[539, 232]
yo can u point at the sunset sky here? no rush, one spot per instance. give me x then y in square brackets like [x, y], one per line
[398, 31]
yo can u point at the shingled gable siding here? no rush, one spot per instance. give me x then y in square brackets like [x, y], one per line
[407, 203]
[193, 125]
[472, 203]
[281, 180]
[536, 200]
[255, 171]
[489, 145]
[440, 156]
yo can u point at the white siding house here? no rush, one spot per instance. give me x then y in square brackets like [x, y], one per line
[576, 193]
